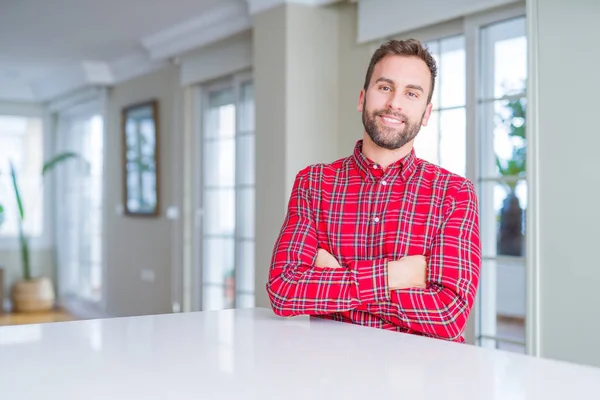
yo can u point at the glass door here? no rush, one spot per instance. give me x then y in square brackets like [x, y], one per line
[227, 195]
[503, 185]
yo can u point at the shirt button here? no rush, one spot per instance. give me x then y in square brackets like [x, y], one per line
[384, 183]
[375, 166]
[376, 219]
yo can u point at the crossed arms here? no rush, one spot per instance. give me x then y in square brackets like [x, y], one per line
[433, 296]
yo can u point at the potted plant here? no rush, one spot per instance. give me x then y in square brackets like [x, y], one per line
[32, 293]
[510, 233]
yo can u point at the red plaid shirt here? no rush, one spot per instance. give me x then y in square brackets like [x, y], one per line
[364, 217]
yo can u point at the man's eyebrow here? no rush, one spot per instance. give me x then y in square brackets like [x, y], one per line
[387, 80]
[415, 87]
[409, 86]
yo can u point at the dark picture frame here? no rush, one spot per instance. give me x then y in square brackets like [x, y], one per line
[141, 183]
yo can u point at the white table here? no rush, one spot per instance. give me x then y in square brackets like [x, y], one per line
[253, 354]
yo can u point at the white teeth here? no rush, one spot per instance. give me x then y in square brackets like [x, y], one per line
[391, 120]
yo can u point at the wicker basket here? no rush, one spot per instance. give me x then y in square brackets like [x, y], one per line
[33, 295]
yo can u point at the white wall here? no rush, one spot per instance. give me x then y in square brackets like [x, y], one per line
[296, 89]
[218, 59]
[566, 140]
[136, 244]
[353, 63]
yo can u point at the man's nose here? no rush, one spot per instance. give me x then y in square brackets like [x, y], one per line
[395, 101]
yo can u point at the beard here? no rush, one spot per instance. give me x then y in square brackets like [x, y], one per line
[388, 137]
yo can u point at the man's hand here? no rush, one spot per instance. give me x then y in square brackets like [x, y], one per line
[326, 260]
[408, 272]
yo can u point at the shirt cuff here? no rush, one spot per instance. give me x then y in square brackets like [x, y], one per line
[372, 280]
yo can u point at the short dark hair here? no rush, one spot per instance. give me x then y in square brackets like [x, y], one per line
[408, 48]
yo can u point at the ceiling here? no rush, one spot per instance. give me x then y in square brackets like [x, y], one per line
[51, 46]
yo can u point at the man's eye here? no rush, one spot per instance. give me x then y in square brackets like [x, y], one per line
[385, 88]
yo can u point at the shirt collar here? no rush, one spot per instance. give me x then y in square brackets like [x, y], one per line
[368, 169]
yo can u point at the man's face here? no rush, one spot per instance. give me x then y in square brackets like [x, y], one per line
[394, 107]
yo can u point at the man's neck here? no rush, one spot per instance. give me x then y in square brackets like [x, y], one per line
[381, 156]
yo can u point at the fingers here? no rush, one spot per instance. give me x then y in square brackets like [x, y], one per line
[326, 260]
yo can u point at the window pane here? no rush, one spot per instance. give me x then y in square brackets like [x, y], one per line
[216, 298]
[503, 300]
[434, 49]
[503, 191]
[220, 98]
[452, 72]
[219, 163]
[505, 57]
[247, 108]
[510, 144]
[245, 269]
[220, 115]
[96, 282]
[21, 141]
[245, 301]
[503, 209]
[246, 159]
[246, 213]
[218, 259]
[219, 214]
[79, 190]
[453, 140]
[428, 140]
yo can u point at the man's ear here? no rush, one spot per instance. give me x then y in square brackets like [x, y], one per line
[361, 100]
[427, 114]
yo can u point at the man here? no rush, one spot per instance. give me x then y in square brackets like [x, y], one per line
[382, 238]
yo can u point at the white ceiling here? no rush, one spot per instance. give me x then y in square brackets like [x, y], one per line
[42, 41]
[51, 47]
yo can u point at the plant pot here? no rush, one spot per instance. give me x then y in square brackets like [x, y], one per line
[33, 295]
[510, 235]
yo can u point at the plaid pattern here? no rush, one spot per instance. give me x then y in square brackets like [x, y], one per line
[365, 217]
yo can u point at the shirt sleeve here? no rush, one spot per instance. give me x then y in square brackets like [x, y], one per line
[297, 287]
[454, 261]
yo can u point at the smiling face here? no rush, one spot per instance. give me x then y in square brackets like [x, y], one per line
[396, 102]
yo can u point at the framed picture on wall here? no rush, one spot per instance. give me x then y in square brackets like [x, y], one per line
[140, 159]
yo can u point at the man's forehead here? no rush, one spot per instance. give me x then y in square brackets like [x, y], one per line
[402, 70]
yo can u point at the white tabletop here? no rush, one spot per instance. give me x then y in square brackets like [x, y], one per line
[252, 354]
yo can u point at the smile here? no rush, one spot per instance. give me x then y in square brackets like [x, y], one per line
[388, 120]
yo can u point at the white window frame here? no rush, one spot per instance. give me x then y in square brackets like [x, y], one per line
[86, 104]
[46, 240]
[470, 26]
[199, 104]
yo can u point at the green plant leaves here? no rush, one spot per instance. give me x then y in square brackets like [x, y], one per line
[13, 176]
[57, 159]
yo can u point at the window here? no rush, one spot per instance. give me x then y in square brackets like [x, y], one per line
[502, 183]
[227, 192]
[443, 140]
[79, 207]
[477, 129]
[23, 145]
